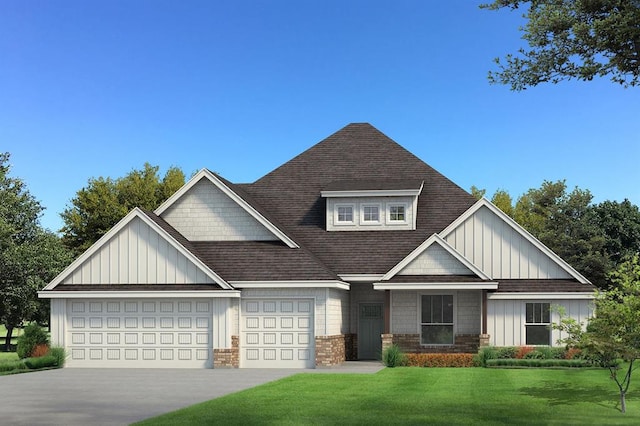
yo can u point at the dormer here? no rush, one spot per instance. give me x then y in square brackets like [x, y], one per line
[372, 205]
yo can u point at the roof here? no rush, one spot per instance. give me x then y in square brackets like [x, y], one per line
[357, 153]
[544, 286]
[373, 185]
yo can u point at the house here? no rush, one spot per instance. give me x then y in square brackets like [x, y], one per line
[351, 245]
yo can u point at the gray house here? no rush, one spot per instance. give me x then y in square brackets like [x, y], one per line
[351, 245]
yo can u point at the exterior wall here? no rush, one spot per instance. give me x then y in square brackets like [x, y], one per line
[207, 214]
[337, 312]
[469, 312]
[221, 323]
[357, 202]
[435, 260]
[506, 319]
[331, 350]
[404, 312]
[464, 343]
[228, 358]
[137, 255]
[58, 321]
[494, 247]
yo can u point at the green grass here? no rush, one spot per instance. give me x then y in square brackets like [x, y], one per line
[473, 396]
[8, 356]
[14, 337]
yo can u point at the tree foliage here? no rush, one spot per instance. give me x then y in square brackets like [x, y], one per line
[104, 201]
[614, 333]
[573, 39]
[29, 255]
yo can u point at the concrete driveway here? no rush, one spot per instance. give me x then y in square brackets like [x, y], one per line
[79, 396]
[72, 396]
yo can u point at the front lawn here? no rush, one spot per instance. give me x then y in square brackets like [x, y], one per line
[476, 396]
[8, 356]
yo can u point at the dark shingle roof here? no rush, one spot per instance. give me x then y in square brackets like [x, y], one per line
[357, 152]
[436, 279]
[373, 185]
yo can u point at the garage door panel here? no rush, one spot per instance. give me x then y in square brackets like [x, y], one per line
[140, 333]
[277, 333]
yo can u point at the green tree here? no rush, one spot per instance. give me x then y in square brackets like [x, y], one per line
[503, 201]
[104, 201]
[620, 223]
[477, 192]
[29, 256]
[573, 39]
[614, 333]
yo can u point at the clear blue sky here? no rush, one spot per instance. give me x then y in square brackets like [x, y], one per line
[98, 88]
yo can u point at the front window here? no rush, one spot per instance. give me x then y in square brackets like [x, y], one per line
[396, 213]
[370, 214]
[344, 214]
[437, 320]
[537, 324]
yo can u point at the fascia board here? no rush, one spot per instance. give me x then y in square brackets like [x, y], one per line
[372, 193]
[361, 277]
[483, 202]
[436, 286]
[204, 173]
[434, 239]
[291, 284]
[136, 213]
[192, 294]
[547, 296]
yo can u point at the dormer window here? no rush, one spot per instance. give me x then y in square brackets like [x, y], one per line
[396, 213]
[370, 214]
[344, 214]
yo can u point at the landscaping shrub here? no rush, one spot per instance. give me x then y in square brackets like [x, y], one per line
[536, 354]
[532, 362]
[573, 353]
[440, 360]
[392, 356]
[506, 352]
[40, 350]
[12, 366]
[42, 362]
[59, 354]
[484, 354]
[523, 351]
[33, 335]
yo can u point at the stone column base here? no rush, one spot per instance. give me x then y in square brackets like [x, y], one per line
[228, 358]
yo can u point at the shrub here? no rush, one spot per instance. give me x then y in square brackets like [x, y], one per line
[33, 335]
[572, 353]
[42, 362]
[40, 350]
[539, 363]
[12, 366]
[523, 351]
[59, 354]
[392, 356]
[484, 354]
[506, 352]
[536, 354]
[440, 360]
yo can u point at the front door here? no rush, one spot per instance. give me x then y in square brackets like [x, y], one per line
[370, 328]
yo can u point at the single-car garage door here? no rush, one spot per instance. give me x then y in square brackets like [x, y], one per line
[277, 333]
[139, 333]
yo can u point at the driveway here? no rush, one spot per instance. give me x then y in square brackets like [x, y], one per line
[79, 396]
[74, 396]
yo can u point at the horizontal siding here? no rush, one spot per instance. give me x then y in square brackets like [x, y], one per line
[404, 312]
[469, 313]
[337, 312]
[501, 252]
[137, 254]
[205, 213]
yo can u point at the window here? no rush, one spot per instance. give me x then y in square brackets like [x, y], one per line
[437, 320]
[537, 324]
[396, 213]
[370, 214]
[344, 214]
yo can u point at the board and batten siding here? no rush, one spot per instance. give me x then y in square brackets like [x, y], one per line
[137, 254]
[205, 213]
[405, 311]
[435, 260]
[506, 319]
[501, 252]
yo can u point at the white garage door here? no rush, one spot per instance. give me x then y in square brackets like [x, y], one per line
[277, 334]
[139, 333]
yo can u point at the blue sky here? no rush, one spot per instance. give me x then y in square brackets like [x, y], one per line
[98, 88]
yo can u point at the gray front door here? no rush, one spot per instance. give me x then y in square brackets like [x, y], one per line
[370, 327]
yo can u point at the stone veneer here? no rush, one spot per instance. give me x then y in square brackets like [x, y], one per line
[464, 343]
[334, 350]
[228, 358]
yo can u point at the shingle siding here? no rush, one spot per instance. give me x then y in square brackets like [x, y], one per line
[207, 214]
[435, 261]
[404, 312]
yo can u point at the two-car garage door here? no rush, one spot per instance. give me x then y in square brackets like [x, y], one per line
[139, 333]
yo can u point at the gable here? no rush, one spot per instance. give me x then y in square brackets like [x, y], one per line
[137, 254]
[435, 260]
[503, 249]
[205, 213]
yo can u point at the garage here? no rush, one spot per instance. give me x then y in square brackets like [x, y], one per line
[141, 333]
[277, 333]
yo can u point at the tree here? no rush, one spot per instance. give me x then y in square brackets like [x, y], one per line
[477, 193]
[573, 39]
[620, 223]
[104, 201]
[614, 333]
[503, 201]
[29, 256]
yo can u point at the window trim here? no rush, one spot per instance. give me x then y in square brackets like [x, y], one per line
[336, 214]
[370, 222]
[546, 324]
[455, 316]
[390, 221]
